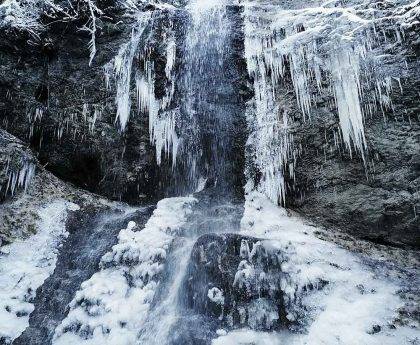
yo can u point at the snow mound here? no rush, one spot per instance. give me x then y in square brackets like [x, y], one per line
[112, 305]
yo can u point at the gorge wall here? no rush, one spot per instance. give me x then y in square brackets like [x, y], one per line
[63, 109]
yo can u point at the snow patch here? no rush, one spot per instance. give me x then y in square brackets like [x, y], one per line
[24, 266]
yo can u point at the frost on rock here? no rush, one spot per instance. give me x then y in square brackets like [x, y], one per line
[112, 305]
[28, 15]
[21, 15]
[330, 295]
[327, 50]
[91, 27]
[24, 266]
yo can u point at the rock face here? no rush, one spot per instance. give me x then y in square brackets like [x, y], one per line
[236, 280]
[60, 107]
[374, 194]
[377, 200]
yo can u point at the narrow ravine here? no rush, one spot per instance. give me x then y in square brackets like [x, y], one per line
[217, 260]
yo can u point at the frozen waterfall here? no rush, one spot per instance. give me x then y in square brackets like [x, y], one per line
[220, 90]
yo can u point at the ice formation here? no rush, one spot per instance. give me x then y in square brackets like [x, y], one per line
[112, 305]
[25, 264]
[91, 27]
[123, 69]
[326, 49]
[162, 129]
[20, 177]
[165, 137]
[322, 285]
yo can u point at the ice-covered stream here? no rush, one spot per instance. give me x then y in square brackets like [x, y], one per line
[150, 286]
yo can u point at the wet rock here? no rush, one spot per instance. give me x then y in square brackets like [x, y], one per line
[236, 281]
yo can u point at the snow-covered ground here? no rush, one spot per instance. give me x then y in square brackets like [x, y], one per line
[24, 266]
[113, 304]
[334, 297]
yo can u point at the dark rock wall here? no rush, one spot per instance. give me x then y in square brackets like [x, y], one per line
[378, 200]
[52, 74]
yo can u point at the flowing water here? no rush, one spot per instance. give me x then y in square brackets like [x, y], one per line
[210, 107]
[211, 111]
[170, 321]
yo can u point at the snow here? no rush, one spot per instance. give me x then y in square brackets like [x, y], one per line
[24, 266]
[247, 336]
[330, 293]
[112, 305]
[216, 295]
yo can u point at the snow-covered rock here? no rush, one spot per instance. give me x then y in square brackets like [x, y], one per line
[112, 305]
[24, 266]
[359, 305]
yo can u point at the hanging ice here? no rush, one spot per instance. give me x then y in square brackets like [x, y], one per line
[346, 82]
[325, 49]
[19, 178]
[122, 67]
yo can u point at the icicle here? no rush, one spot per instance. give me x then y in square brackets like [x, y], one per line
[19, 178]
[165, 137]
[108, 72]
[122, 68]
[170, 57]
[346, 82]
[143, 93]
